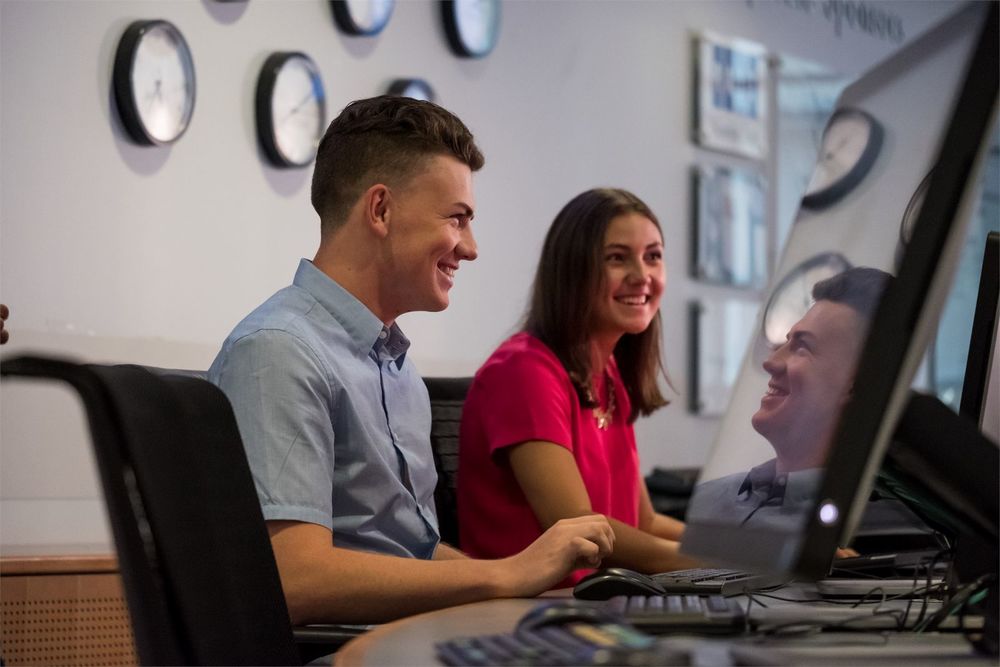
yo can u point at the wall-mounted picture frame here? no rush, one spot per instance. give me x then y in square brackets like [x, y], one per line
[731, 95]
[729, 227]
[720, 331]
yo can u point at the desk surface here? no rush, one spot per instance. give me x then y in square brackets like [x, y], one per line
[57, 559]
[410, 642]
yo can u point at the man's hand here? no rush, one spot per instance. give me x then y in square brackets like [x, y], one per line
[570, 544]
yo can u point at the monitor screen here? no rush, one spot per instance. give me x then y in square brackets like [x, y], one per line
[852, 306]
[982, 339]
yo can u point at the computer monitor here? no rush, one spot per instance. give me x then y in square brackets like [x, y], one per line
[982, 340]
[823, 383]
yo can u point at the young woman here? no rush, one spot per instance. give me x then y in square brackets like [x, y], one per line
[547, 425]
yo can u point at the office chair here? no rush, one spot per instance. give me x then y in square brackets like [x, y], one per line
[447, 396]
[196, 563]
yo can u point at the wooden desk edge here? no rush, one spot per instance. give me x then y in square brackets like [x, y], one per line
[355, 652]
[58, 564]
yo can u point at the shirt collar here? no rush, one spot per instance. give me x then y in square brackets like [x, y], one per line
[366, 331]
[797, 486]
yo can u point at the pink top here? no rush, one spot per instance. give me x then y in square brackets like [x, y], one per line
[523, 393]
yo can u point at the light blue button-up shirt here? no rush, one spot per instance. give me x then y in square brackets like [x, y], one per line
[335, 421]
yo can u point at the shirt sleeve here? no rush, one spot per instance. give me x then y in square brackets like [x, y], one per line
[526, 396]
[283, 400]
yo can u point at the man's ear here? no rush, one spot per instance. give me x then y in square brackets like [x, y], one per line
[378, 204]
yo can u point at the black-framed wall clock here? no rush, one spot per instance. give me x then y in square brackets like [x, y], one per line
[154, 82]
[290, 109]
[362, 17]
[792, 297]
[417, 89]
[851, 142]
[472, 26]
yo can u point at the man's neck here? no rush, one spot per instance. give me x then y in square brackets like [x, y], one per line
[357, 272]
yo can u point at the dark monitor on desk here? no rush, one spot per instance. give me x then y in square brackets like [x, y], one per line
[827, 376]
[982, 340]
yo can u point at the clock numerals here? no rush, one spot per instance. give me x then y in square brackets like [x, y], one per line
[154, 82]
[291, 109]
[472, 26]
[851, 142]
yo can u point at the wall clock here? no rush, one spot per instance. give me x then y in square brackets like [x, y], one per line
[850, 144]
[291, 109]
[418, 89]
[793, 296]
[153, 81]
[362, 17]
[472, 26]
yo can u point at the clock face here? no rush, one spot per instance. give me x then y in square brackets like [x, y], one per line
[848, 150]
[154, 82]
[793, 295]
[362, 17]
[291, 109]
[417, 89]
[472, 26]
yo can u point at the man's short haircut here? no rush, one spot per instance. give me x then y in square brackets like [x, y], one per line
[383, 139]
[861, 288]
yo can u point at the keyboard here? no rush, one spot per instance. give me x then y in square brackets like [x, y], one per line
[664, 614]
[716, 581]
[578, 643]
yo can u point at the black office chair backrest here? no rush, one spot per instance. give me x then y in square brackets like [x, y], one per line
[447, 396]
[196, 562]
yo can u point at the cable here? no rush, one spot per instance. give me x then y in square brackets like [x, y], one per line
[957, 601]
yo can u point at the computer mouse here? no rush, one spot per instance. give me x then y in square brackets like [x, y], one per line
[613, 581]
[566, 611]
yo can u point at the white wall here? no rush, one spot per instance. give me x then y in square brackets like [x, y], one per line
[112, 251]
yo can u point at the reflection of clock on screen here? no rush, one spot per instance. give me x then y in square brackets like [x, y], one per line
[793, 296]
[850, 144]
[913, 210]
[909, 220]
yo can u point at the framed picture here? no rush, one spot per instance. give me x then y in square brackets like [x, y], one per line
[729, 236]
[720, 331]
[731, 95]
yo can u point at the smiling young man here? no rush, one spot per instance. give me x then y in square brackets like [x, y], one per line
[810, 380]
[335, 419]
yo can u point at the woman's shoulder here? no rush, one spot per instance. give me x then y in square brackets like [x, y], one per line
[522, 354]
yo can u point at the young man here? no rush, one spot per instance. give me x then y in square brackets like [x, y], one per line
[811, 376]
[335, 419]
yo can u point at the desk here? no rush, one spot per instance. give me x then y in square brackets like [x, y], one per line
[410, 642]
[63, 605]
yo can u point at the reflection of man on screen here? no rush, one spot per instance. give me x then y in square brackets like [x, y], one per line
[811, 376]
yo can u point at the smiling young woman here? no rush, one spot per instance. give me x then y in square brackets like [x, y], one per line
[547, 427]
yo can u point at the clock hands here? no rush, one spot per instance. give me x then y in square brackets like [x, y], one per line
[298, 107]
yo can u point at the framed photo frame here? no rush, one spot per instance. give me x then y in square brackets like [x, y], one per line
[719, 333]
[729, 230]
[731, 95]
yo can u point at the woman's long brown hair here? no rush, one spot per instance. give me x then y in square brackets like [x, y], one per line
[570, 272]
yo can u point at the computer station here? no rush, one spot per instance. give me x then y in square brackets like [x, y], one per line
[485, 332]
